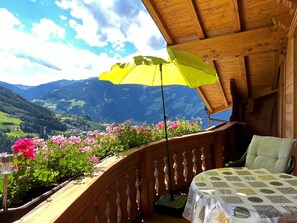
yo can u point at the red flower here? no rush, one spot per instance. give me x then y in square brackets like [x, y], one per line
[25, 148]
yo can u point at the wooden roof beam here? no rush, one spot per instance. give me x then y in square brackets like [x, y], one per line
[236, 20]
[196, 20]
[242, 69]
[278, 58]
[204, 99]
[263, 92]
[241, 60]
[292, 28]
[152, 9]
[220, 109]
[219, 84]
[237, 44]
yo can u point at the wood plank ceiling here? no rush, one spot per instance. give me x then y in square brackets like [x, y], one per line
[244, 40]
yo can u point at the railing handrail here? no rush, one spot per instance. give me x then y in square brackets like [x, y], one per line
[86, 193]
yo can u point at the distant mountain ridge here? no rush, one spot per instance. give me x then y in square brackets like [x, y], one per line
[104, 102]
[33, 92]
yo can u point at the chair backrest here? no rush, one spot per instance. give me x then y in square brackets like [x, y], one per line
[271, 153]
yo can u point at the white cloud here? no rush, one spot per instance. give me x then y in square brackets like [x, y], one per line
[63, 17]
[10, 20]
[47, 29]
[29, 60]
[145, 26]
[101, 22]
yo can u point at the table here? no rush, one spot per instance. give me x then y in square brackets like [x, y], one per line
[242, 195]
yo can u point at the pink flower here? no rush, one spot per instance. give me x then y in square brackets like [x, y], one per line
[85, 149]
[25, 148]
[60, 140]
[38, 142]
[74, 140]
[174, 126]
[93, 159]
[160, 125]
[108, 129]
[192, 124]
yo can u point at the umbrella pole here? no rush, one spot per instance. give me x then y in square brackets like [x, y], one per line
[166, 137]
[169, 204]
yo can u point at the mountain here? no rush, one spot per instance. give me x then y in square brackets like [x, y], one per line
[34, 118]
[104, 102]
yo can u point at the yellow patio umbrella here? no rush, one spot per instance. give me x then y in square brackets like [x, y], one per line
[159, 68]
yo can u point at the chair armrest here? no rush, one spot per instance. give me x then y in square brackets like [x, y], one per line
[291, 165]
[236, 163]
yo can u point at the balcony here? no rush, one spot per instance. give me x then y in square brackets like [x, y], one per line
[124, 188]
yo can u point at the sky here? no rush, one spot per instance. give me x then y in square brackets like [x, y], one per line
[48, 40]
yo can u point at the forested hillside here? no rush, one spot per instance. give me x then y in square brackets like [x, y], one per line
[103, 102]
[106, 102]
[35, 119]
[20, 117]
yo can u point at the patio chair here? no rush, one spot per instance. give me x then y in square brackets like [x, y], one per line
[271, 153]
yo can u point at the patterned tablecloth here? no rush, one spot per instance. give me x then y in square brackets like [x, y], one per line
[242, 195]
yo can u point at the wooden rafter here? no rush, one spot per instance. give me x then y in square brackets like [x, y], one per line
[263, 92]
[238, 44]
[193, 11]
[275, 70]
[243, 74]
[236, 20]
[204, 99]
[241, 60]
[152, 9]
[219, 85]
[292, 28]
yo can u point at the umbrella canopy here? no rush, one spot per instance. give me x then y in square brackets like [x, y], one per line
[163, 67]
[178, 68]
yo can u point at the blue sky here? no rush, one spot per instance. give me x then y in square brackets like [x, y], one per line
[47, 40]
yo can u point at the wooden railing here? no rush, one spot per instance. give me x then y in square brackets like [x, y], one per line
[125, 186]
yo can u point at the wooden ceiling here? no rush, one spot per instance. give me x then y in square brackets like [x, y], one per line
[244, 40]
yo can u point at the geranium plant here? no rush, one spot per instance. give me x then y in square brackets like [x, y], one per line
[40, 163]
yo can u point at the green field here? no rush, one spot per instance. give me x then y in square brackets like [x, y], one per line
[14, 125]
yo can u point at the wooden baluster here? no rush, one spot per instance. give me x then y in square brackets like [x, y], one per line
[156, 175]
[128, 192]
[202, 159]
[194, 160]
[175, 169]
[185, 171]
[107, 209]
[137, 186]
[118, 202]
[224, 153]
[96, 212]
[166, 170]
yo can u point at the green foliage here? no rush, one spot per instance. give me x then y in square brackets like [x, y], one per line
[40, 163]
[176, 128]
[6, 142]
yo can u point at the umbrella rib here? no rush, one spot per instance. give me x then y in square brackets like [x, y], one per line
[155, 73]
